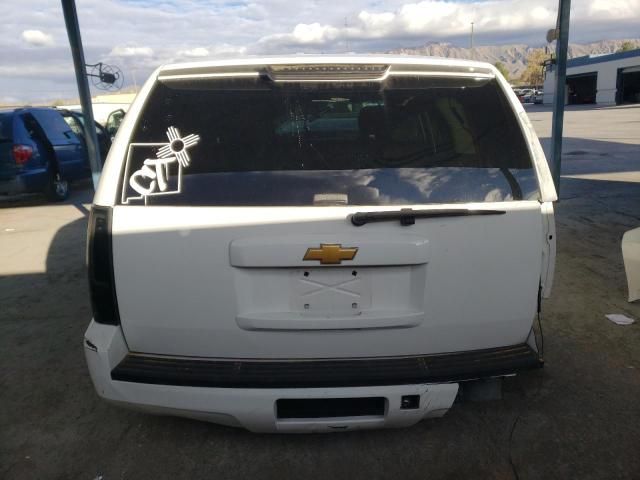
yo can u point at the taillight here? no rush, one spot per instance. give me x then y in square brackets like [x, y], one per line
[22, 154]
[100, 263]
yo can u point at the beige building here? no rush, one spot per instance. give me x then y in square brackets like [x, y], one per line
[103, 105]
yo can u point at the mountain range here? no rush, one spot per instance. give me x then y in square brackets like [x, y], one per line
[514, 56]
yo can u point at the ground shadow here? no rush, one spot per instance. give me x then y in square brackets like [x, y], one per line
[79, 192]
[575, 419]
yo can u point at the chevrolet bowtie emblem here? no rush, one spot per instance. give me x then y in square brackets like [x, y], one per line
[330, 253]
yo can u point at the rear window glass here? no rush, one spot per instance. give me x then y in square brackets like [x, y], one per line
[53, 125]
[408, 140]
[6, 127]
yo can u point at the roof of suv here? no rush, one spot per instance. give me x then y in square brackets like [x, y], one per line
[254, 64]
[26, 107]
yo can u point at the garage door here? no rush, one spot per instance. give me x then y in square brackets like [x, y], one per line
[582, 88]
[628, 85]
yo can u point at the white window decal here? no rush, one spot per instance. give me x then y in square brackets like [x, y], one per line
[161, 175]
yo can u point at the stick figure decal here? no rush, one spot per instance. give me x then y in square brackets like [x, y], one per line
[161, 175]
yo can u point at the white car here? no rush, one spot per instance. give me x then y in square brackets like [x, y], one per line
[317, 243]
[527, 95]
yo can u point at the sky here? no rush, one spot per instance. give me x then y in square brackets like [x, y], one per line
[139, 35]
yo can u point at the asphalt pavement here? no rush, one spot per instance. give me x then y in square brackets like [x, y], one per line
[576, 418]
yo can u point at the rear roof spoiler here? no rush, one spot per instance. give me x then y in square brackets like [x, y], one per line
[364, 66]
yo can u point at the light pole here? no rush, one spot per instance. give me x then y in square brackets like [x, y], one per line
[73, 31]
[346, 34]
[562, 45]
[471, 42]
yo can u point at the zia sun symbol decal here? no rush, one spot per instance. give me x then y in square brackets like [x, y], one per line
[156, 174]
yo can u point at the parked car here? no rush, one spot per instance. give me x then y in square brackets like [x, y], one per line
[317, 243]
[39, 152]
[527, 95]
[538, 98]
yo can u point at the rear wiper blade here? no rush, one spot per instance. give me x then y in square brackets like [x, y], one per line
[407, 216]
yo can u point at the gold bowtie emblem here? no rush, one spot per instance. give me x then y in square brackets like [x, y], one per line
[330, 253]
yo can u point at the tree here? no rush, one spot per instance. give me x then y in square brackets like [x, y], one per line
[626, 46]
[502, 69]
[533, 74]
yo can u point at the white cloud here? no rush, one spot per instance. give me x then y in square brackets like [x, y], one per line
[314, 33]
[37, 38]
[614, 8]
[128, 51]
[226, 50]
[19, 71]
[542, 13]
[440, 19]
[137, 36]
[194, 52]
[303, 34]
[6, 100]
[213, 51]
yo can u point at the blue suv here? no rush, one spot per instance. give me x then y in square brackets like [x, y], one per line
[43, 150]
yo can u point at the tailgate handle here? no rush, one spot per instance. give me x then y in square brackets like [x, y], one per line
[407, 216]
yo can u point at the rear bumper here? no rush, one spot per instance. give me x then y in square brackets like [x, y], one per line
[210, 373]
[12, 186]
[28, 181]
[244, 393]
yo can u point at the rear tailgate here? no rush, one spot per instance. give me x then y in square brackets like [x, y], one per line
[8, 167]
[225, 282]
[70, 155]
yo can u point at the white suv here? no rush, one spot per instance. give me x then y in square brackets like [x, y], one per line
[317, 243]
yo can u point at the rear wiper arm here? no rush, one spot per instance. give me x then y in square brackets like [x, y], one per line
[407, 216]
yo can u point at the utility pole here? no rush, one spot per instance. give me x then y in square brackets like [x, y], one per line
[73, 31]
[471, 43]
[562, 45]
[346, 34]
